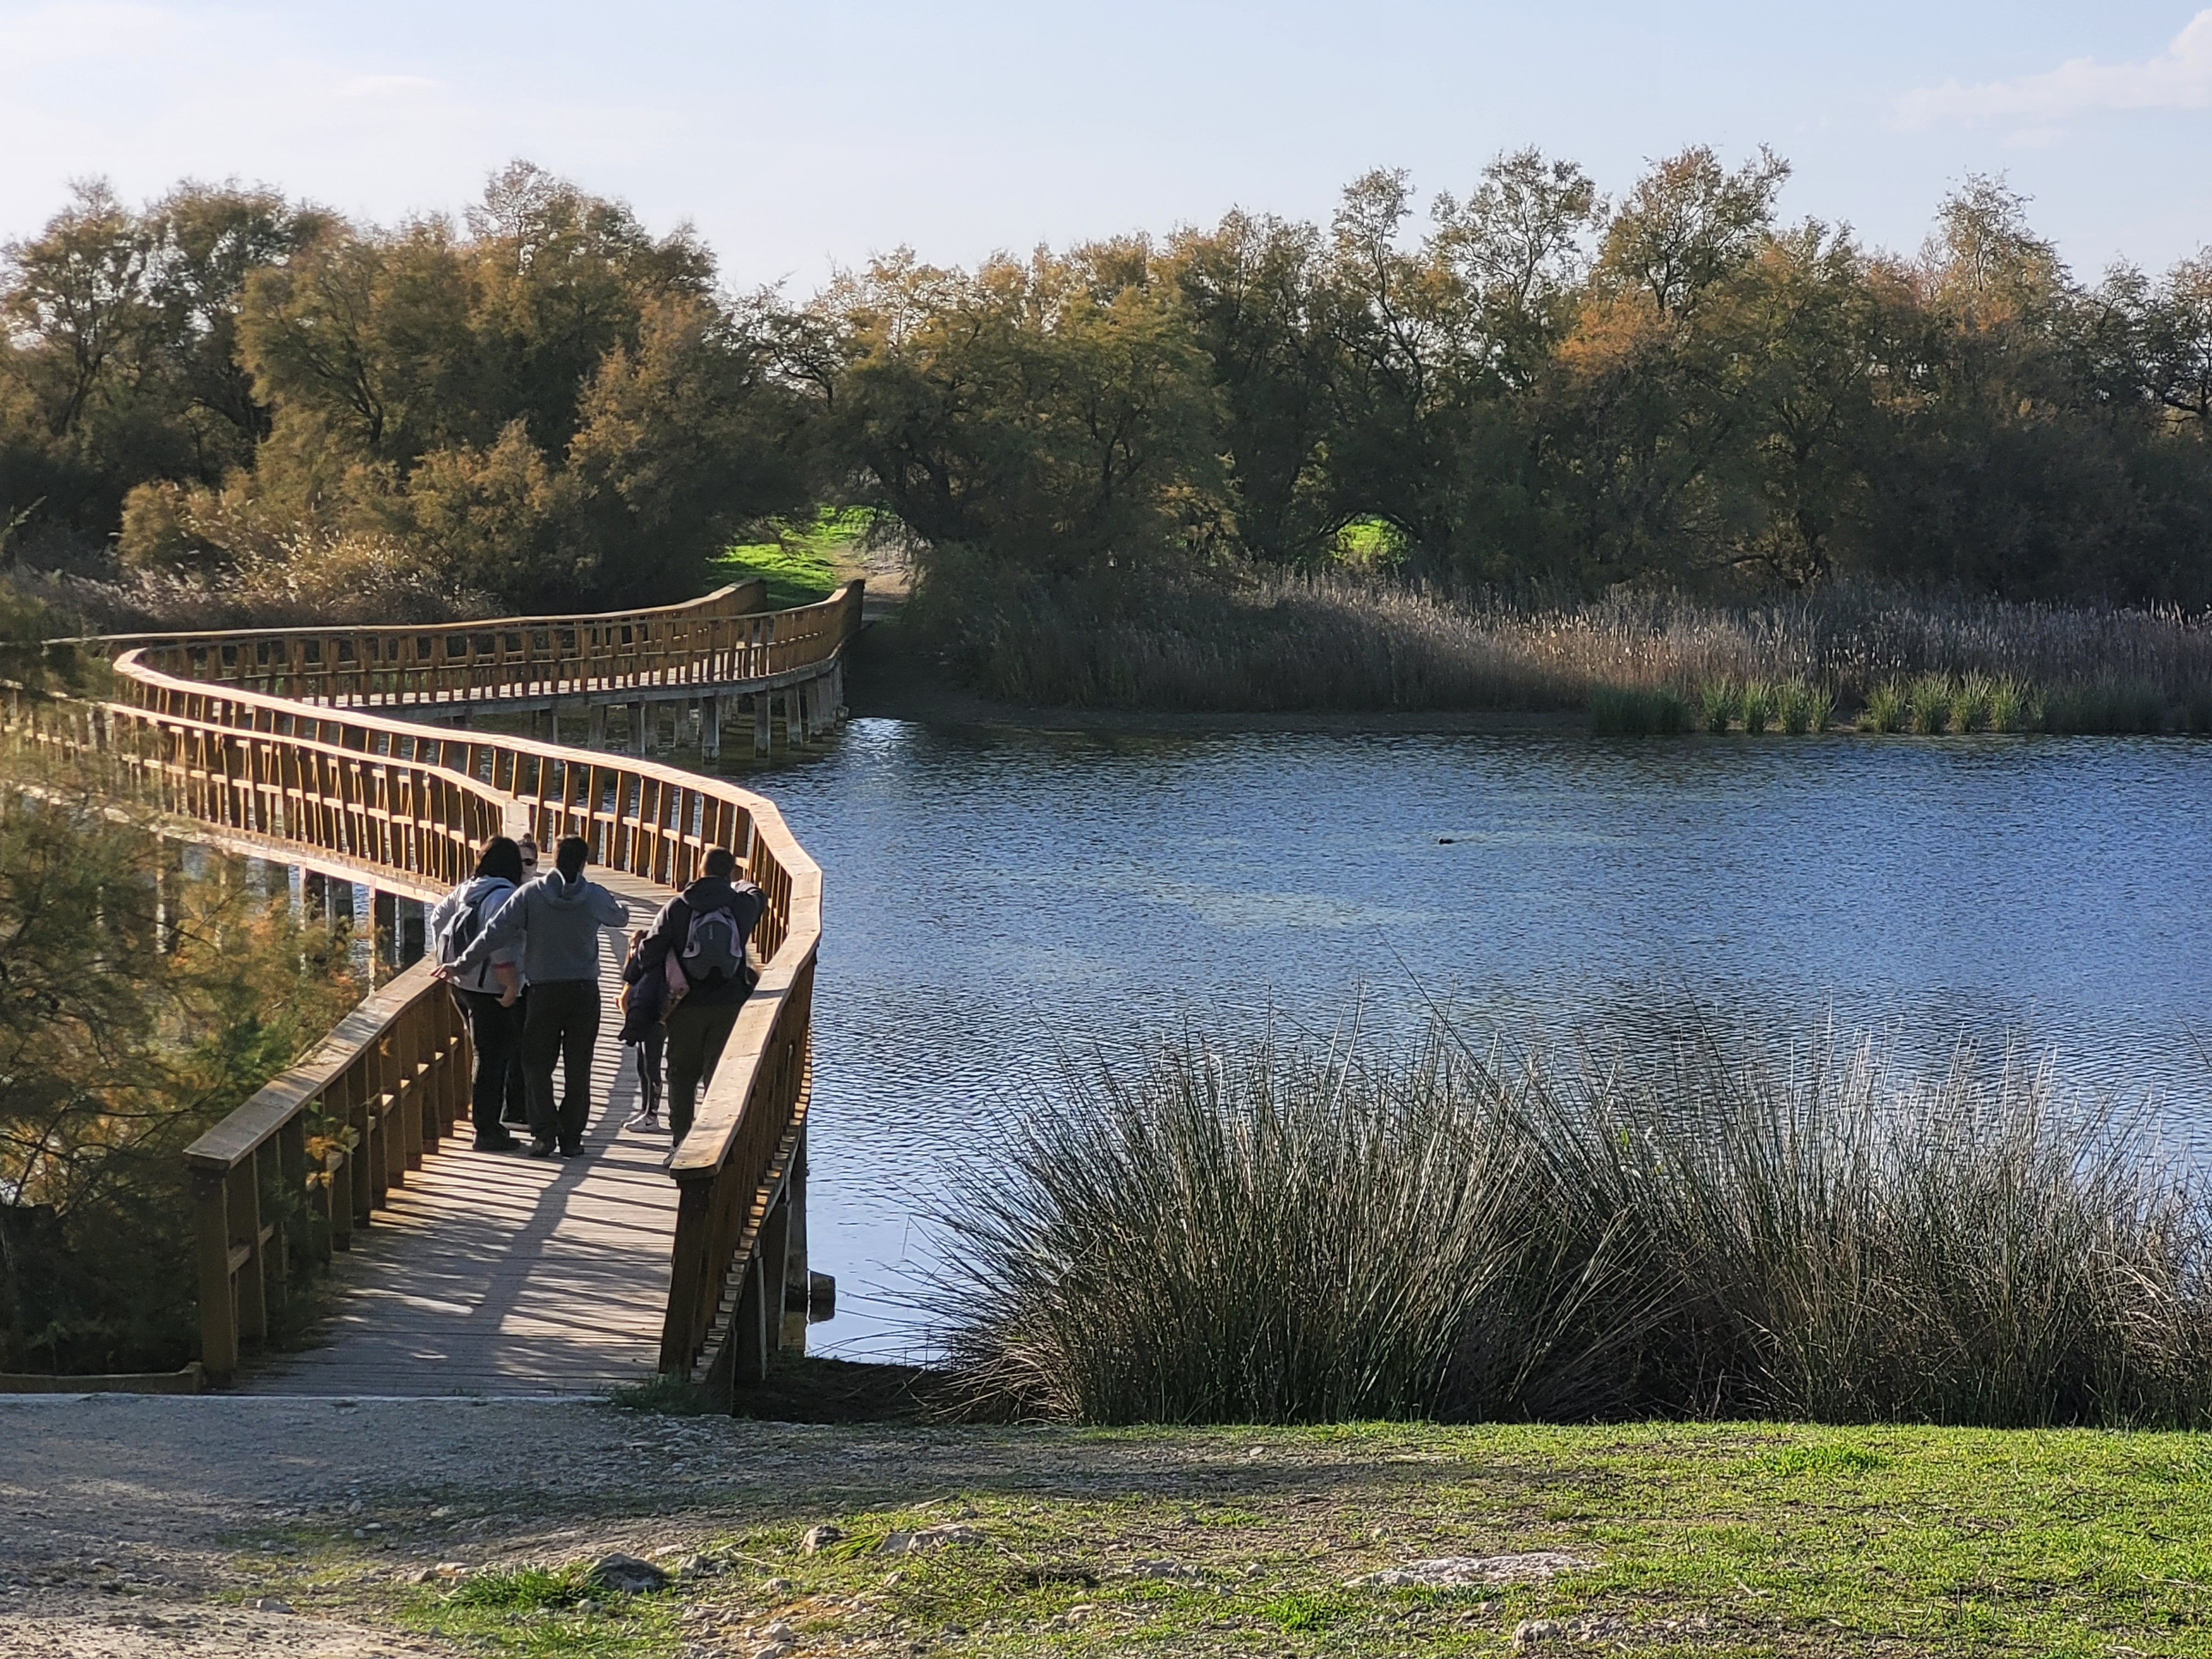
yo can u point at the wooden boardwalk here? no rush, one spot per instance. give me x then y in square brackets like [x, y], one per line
[501, 1273]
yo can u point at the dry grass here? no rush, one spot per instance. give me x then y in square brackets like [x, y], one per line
[1335, 641]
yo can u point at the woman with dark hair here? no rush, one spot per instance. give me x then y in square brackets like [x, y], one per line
[486, 995]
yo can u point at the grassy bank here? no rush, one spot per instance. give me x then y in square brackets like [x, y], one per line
[1341, 642]
[1709, 1538]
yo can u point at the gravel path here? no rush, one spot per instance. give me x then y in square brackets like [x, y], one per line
[132, 1522]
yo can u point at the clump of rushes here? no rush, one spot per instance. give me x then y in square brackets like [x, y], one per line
[1885, 709]
[1246, 1230]
[1717, 704]
[2007, 705]
[1927, 705]
[1970, 703]
[1820, 708]
[2105, 706]
[1795, 708]
[1756, 706]
[1635, 711]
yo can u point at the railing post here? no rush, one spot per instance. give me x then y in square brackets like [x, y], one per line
[689, 1266]
[243, 1205]
[218, 1310]
[797, 1272]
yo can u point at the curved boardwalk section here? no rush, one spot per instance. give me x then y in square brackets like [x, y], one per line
[462, 1271]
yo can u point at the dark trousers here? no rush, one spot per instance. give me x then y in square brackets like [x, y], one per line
[518, 1086]
[495, 1034]
[696, 1036]
[563, 1025]
[650, 1048]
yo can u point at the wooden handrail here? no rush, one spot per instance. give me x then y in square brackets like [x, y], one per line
[711, 641]
[734, 599]
[296, 762]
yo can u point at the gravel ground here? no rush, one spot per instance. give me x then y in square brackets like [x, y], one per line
[133, 1523]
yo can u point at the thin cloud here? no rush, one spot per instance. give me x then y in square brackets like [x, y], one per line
[2180, 77]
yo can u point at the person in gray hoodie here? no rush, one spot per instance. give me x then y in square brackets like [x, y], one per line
[556, 918]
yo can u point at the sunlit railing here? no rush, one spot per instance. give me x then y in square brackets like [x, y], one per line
[288, 755]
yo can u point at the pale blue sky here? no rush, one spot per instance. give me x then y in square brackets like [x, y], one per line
[797, 136]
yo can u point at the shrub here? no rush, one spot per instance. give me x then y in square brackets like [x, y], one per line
[1263, 1231]
[145, 1003]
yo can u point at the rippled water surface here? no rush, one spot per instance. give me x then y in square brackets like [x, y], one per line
[994, 896]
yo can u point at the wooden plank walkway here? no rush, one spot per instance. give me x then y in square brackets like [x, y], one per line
[501, 1273]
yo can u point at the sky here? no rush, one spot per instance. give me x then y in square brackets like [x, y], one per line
[803, 137]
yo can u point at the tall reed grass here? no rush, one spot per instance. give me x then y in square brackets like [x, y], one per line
[1267, 1231]
[1336, 640]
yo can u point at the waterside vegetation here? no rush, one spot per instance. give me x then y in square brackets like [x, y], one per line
[1276, 1232]
[144, 993]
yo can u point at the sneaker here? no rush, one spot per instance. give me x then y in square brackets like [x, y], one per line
[541, 1149]
[504, 1143]
[575, 1149]
[645, 1120]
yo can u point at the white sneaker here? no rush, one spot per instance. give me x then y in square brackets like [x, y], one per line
[645, 1120]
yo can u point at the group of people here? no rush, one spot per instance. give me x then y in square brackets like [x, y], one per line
[521, 952]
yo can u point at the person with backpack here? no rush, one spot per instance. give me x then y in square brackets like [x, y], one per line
[703, 932]
[644, 1004]
[557, 921]
[486, 995]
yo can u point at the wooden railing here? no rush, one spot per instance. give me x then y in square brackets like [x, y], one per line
[721, 640]
[406, 807]
[285, 1178]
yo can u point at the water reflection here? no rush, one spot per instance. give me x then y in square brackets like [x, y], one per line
[993, 895]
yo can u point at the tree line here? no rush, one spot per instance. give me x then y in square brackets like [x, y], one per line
[1532, 386]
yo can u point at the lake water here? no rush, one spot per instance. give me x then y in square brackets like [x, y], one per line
[995, 897]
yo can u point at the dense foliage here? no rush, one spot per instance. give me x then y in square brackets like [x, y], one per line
[139, 1003]
[1540, 388]
[541, 407]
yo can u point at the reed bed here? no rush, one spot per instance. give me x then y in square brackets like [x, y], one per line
[1334, 641]
[1269, 1231]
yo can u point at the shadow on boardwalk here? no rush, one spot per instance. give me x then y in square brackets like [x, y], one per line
[499, 1273]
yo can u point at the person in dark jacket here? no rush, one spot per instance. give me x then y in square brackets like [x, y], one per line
[488, 996]
[706, 930]
[557, 920]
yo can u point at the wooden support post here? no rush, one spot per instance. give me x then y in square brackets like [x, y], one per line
[349, 1183]
[640, 728]
[763, 718]
[384, 928]
[748, 1335]
[304, 1241]
[218, 1306]
[595, 725]
[794, 723]
[796, 1279]
[407, 1052]
[411, 921]
[710, 728]
[243, 1203]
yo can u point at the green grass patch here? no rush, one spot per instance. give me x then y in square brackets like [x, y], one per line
[1730, 1539]
[800, 565]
